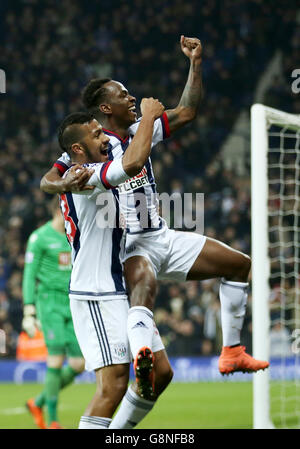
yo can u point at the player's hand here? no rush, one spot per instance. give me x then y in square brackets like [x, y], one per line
[191, 47]
[76, 179]
[29, 322]
[152, 107]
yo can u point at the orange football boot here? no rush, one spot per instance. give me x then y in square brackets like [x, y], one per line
[236, 359]
[37, 413]
[55, 425]
[143, 369]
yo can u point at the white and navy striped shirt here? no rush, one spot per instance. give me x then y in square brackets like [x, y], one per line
[137, 196]
[96, 267]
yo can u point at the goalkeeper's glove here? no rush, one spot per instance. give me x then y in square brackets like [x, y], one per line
[30, 322]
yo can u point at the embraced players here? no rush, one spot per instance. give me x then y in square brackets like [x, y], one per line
[153, 251]
[98, 299]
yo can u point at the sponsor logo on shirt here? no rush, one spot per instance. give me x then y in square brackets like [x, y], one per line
[135, 182]
[64, 260]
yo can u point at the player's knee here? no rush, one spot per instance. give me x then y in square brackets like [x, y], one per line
[55, 361]
[144, 293]
[245, 266]
[239, 270]
[114, 384]
[114, 391]
[141, 281]
[77, 364]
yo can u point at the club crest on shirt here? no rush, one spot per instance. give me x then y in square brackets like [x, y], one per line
[120, 350]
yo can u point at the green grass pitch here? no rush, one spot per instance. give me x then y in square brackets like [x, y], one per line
[219, 405]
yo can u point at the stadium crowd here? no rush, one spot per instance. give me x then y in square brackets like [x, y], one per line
[51, 49]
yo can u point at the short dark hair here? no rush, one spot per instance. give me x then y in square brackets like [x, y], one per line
[94, 93]
[68, 133]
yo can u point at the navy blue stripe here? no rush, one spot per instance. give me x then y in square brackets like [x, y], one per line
[146, 229]
[116, 267]
[125, 145]
[109, 152]
[105, 358]
[99, 339]
[104, 331]
[76, 292]
[149, 314]
[112, 134]
[144, 206]
[115, 193]
[62, 164]
[99, 422]
[149, 171]
[138, 403]
[101, 175]
[73, 215]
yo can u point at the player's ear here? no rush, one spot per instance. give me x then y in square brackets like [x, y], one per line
[77, 148]
[105, 108]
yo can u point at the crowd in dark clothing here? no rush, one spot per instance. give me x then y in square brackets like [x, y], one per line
[51, 49]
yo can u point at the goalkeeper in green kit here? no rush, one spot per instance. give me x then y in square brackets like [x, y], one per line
[46, 300]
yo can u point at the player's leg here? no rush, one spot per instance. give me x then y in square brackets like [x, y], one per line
[100, 328]
[219, 260]
[52, 387]
[55, 371]
[75, 360]
[111, 385]
[141, 284]
[134, 408]
[53, 331]
[163, 372]
[49, 395]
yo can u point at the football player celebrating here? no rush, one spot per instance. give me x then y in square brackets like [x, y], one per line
[152, 250]
[98, 298]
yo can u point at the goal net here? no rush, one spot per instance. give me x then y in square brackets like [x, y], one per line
[275, 221]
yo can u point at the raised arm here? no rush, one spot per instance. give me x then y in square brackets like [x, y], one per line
[114, 172]
[75, 180]
[139, 149]
[192, 94]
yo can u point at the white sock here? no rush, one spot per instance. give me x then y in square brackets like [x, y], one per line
[233, 297]
[132, 410]
[94, 422]
[140, 328]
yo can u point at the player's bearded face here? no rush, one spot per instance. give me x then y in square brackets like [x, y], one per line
[95, 153]
[95, 144]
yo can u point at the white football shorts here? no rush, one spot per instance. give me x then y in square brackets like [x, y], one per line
[101, 330]
[171, 253]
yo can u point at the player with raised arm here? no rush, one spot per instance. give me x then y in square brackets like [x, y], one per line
[188, 256]
[98, 298]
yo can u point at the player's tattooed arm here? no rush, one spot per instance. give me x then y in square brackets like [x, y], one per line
[193, 92]
[75, 180]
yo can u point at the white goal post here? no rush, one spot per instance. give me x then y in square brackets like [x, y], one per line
[262, 119]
